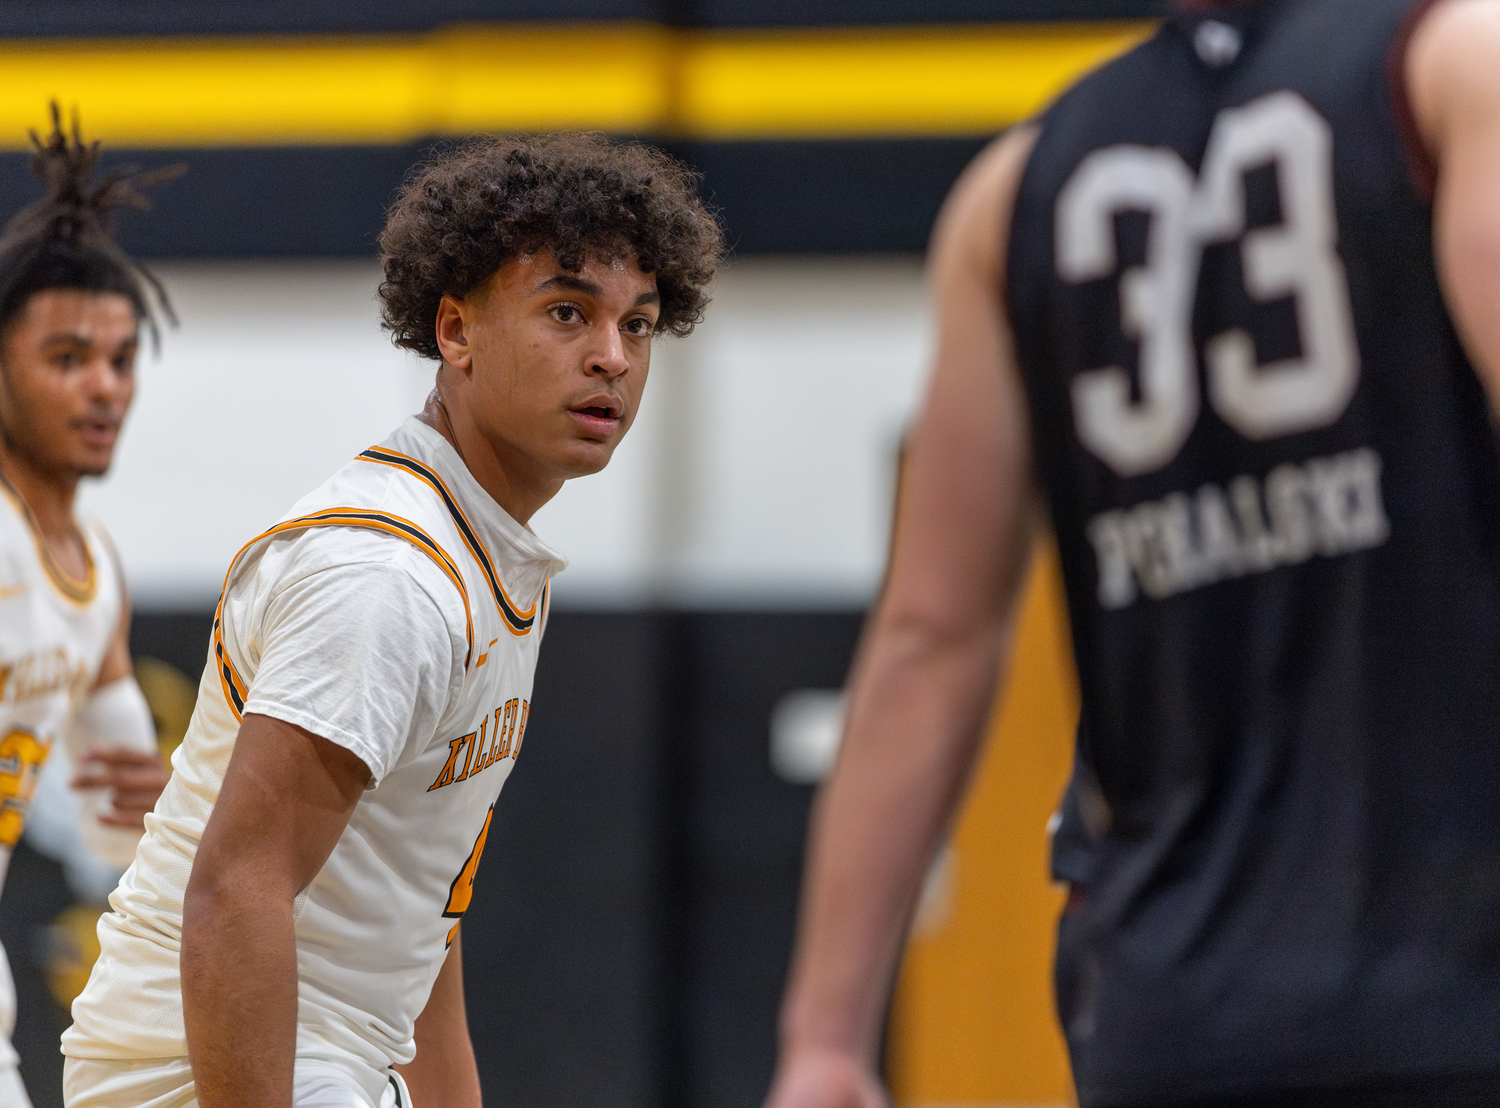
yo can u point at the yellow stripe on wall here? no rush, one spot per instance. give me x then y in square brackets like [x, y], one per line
[884, 82]
[625, 78]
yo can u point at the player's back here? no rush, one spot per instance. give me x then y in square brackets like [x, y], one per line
[1274, 481]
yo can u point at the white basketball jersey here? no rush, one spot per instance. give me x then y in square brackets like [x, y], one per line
[373, 927]
[54, 633]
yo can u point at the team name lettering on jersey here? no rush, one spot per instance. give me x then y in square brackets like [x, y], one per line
[42, 673]
[1327, 506]
[479, 750]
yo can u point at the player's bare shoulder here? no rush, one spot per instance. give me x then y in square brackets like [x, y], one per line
[974, 225]
[1451, 73]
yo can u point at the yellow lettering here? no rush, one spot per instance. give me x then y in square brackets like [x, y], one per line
[480, 761]
[521, 730]
[446, 777]
[469, 761]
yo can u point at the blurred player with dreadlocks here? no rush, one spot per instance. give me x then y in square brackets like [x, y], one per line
[71, 306]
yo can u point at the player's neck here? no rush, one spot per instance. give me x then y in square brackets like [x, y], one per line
[505, 480]
[49, 498]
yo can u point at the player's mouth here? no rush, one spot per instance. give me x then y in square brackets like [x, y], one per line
[97, 432]
[599, 415]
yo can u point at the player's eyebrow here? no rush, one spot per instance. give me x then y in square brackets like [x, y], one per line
[589, 288]
[67, 338]
[76, 341]
[571, 283]
[76, 338]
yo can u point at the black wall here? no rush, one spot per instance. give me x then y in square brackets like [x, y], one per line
[87, 18]
[809, 197]
[631, 927]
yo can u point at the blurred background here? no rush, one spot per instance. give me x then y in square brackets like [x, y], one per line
[630, 931]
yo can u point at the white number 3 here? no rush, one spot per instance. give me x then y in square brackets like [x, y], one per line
[1294, 258]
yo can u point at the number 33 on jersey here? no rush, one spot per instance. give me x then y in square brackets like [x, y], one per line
[1327, 505]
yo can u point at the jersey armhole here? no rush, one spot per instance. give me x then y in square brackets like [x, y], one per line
[1419, 162]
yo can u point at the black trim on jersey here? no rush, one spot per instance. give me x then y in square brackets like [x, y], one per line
[515, 619]
[226, 671]
[416, 534]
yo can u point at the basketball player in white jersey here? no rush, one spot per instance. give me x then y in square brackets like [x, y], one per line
[289, 933]
[70, 311]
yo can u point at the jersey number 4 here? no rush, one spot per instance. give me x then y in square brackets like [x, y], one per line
[461, 892]
[1296, 258]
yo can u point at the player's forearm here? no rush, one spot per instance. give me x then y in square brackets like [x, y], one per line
[917, 713]
[239, 992]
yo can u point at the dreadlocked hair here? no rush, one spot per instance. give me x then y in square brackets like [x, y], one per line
[65, 240]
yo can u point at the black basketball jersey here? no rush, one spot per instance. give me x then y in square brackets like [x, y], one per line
[1274, 480]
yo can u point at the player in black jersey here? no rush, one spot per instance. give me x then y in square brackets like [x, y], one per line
[1229, 312]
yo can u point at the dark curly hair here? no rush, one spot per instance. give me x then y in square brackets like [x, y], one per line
[475, 207]
[65, 241]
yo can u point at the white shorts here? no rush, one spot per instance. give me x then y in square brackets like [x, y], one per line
[168, 1083]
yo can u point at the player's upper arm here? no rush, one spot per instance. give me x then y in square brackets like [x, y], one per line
[966, 512]
[359, 653]
[286, 798]
[1453, 78]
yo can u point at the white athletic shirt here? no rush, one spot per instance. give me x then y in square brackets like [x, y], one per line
[396, 611]
[54, 634]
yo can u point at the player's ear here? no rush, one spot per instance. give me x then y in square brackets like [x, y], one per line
[452, 332]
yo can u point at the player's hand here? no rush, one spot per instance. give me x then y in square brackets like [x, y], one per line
[822, 1078]
[136, 778]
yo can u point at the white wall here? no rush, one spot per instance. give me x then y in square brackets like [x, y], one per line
[760, 471]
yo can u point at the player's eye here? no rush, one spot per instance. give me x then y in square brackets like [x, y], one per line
[66, 359]
[640, 325]
[565, 313]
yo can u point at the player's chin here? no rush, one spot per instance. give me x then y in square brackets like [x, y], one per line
[586, 456]
[92, 463]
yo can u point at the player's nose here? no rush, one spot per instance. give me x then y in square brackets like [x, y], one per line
[608, 358]
[105, 383]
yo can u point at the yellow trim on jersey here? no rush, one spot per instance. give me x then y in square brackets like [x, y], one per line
[626, 78]
[235, 689]
[78, 592]
[518, 621]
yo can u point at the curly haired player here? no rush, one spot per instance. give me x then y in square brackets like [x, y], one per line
[71, 306]
[369, 678]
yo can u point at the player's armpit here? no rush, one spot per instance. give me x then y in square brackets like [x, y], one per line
[287, 797]
[444, 1072]
[929, 660]
[1453, 78]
